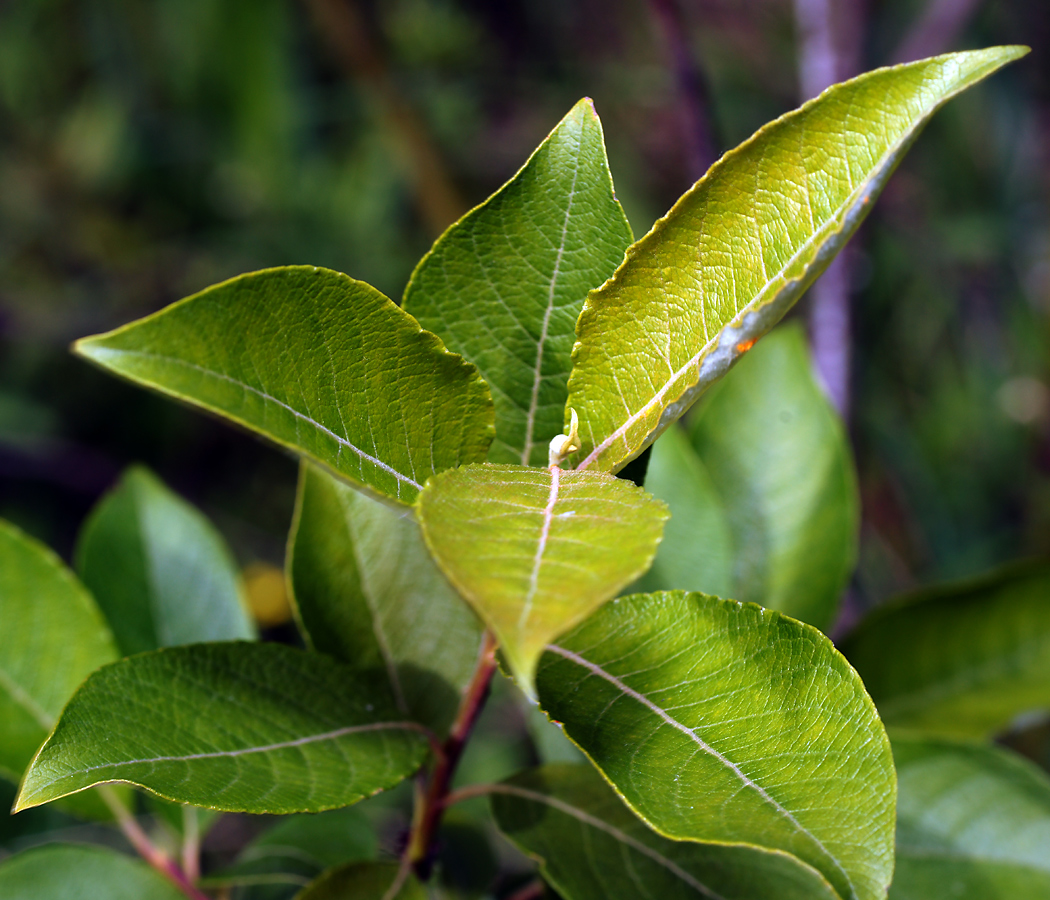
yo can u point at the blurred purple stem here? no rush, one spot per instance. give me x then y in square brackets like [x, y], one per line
[829, 37]
[937, 29]
[692, 89]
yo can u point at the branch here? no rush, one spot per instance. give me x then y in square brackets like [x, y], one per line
[420, 850]
[145, 848]
[936, 30]
[692, 89]
[341, 25]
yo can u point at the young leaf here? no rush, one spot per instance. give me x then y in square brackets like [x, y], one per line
[158, 569]
[592, 847]
[973, 823]
[741, 246]
[369, 594]
[725, 722]
[535, 550]
[966, 658]
[74, 872]
[781, 478]
[53, 636]
[505, 284]
[241, 727]
[320, 363]
[364, 881]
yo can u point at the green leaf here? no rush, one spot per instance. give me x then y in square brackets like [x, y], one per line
[592, 847]
[725, 722]
[535, 550]
[158, 569]
[506, 283]
[741, 246]
[53, 637]
[973, 823]
[364, 881]
[368, 593]
[770, 468]
[320, 363]
[71, 872]
[299, 848]
[241, 727]
[960, 660]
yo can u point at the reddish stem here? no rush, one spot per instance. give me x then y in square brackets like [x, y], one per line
[145, 848]
[420, 851]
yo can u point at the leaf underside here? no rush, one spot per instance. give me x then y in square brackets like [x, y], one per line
[973, 823]
[726, 722]
[593, 848]
[505, 284]
[762, 491]
[740, 247]
[966, 659]
[159, 570]
[319, 363]
[368, 593]
[535, 550]
[240, 727]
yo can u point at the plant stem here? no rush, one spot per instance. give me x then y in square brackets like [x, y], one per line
[145, 848]
[191, 843]
[420, 851]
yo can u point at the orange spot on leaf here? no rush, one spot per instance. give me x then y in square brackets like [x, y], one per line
[744, 346]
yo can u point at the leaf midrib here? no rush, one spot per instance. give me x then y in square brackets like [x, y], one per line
[706, 748]
[611, 830]
[269, 398]
[24, 700]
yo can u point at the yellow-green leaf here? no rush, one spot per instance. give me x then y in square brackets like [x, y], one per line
[741, 246]
[319, 363]
[535, 550]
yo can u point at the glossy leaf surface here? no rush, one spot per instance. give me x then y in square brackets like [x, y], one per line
[159, 570]
[369, 594]
[535, 550]
[505, 284]
[769, 467]
[966, 659]
[741, 246]
[75, 872]
[52, 636]
[320, 363]
[724, 722]
[237, 726]
[973, 823]
[593, 848]
[364, 881]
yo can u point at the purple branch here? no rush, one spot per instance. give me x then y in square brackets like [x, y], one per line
[937, 29]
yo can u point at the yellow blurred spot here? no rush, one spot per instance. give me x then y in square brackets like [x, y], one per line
[267, 594]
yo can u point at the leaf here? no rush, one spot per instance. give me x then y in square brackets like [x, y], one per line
[158, 568]
[299, 848]
[535, 550]
[770, 463]
[73, 872]
[591, 847]
[364, 881]
[505, 284]
[973, 823]
[741, 246]
[368, 593]
[53, 636]
[966, 658]
[240, 727]
[725, 722]
[319, 363]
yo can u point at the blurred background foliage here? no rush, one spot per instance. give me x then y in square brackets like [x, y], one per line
[149, 148]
